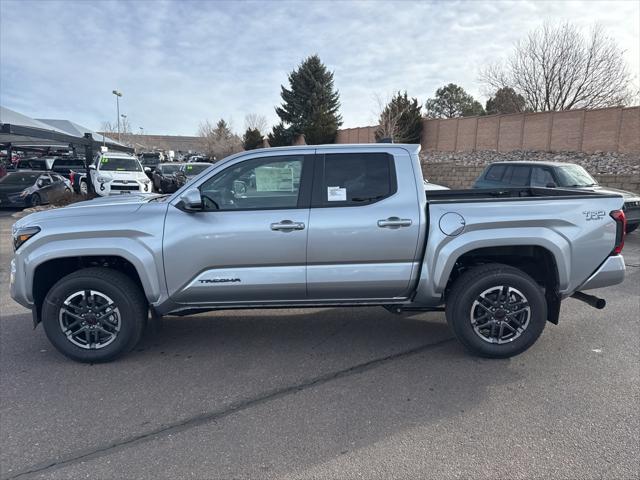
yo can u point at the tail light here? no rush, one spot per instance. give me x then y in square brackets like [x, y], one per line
[621, 229]
[72, 175]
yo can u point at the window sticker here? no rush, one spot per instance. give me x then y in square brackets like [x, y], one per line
[336, 194]
[274, 179]
[104, 160]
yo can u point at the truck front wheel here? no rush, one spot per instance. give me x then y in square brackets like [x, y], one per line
[94, 315]
[496, 311]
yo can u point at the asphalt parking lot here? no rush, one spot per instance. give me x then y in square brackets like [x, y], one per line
[334, 393]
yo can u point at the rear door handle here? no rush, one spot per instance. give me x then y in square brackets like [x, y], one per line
[394, 222]
[287, 226]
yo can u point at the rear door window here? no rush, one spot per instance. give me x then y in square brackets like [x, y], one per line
[349, 179]
[517, 176]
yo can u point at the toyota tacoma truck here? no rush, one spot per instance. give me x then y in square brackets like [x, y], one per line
[317, 226]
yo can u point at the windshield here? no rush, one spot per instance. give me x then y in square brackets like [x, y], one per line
[190, 170]
[112, 164]
[150, 160]
[170, 168]
[574, 176]
[26, 179]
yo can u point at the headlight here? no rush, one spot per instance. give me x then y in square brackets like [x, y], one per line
[145, 180]
[103, 179]
[21, 235]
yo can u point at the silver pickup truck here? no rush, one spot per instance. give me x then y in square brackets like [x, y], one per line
[315, 226]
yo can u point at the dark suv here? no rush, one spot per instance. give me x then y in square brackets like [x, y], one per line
[551, 175]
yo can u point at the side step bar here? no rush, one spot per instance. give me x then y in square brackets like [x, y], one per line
[592, 300]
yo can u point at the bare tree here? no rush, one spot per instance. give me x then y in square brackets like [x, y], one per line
[557, 68]
[111, 130]
[255, 121]
[219, 140]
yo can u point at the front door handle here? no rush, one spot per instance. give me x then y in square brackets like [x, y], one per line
[287, 226]
[394, 222]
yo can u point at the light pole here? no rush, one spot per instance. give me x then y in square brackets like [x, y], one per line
[118, 95]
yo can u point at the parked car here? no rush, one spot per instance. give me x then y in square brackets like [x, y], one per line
[552, 175]
[164, 179]
[116, 173]
[150, 161]
[188, 171]
[321, 226]
[72, 168]
[30, 189]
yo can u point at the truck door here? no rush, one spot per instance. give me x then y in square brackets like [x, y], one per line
[249, 242]
[363, 226]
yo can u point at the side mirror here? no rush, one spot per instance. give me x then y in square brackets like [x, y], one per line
[551, 185]
[191, 200]
[92, 167]
[40, 183]
[147, 169]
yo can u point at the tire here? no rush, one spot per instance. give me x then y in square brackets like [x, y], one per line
[35, 200]
[477, 289]
[631, 227]
[125, 323]
[84, 188]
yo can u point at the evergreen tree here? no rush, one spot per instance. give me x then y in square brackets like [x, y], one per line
[310, 104]
[251, 139]
[281, 136]
[400, 120]
[452, 101]
[505, 100]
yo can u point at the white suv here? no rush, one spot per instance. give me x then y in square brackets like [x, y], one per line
[115, 173]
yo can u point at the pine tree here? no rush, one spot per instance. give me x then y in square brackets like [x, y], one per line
[400, 120]
[281, 136]
[310, 104]
[251, 139]
[505, 100]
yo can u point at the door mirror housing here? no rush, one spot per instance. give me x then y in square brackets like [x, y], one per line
[191, 201]
[92, 167]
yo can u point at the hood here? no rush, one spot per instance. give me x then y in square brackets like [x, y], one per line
[120, 204]
[13, 188]
[124, 174]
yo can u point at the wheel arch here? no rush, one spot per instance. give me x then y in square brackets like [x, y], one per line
[536, 261]
[47, 273]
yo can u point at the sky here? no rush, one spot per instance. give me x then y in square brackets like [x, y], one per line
[178, 63]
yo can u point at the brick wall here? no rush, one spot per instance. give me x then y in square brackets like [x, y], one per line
[604, 129]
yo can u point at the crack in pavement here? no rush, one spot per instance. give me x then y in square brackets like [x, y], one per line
[204, 418]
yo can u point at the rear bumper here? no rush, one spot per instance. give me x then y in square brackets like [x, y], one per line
[611, 272]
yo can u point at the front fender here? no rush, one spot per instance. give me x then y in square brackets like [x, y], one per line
[141, 256]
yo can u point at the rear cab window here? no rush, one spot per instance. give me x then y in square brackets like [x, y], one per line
[353, 179]
[495, 173]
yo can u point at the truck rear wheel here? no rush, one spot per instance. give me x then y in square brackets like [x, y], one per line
[496, 311]
[94, 315]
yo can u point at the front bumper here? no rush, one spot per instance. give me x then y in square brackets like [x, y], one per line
[18, 286]
[14, 201]
[611, 272]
